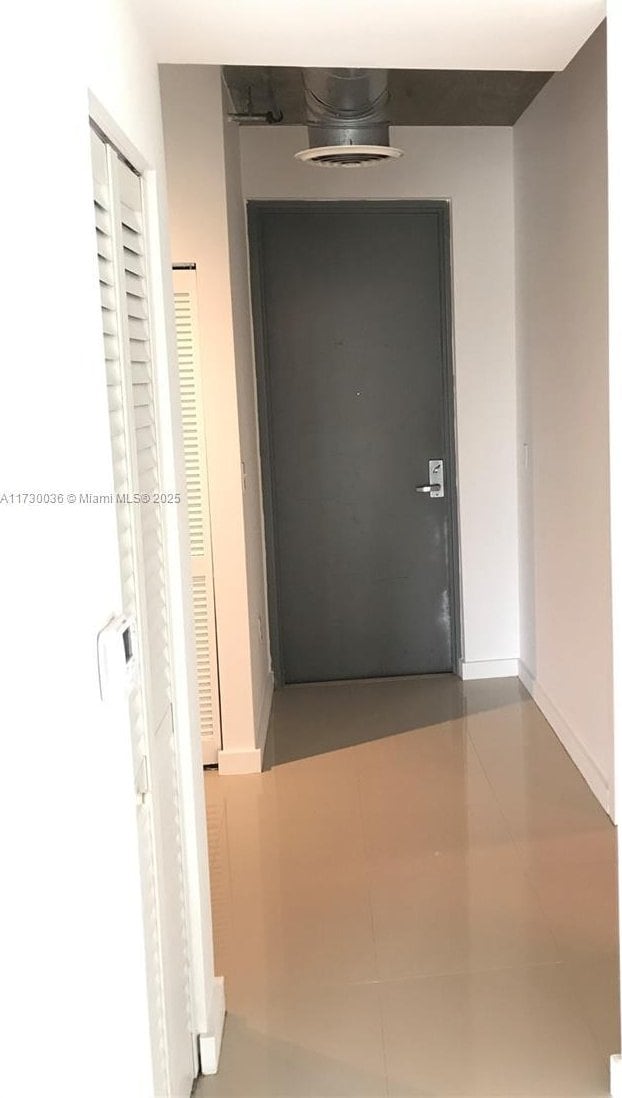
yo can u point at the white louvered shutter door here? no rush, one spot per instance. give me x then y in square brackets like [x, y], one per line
[143, 415]
[113, 339]
[120, 236]
[197, 492]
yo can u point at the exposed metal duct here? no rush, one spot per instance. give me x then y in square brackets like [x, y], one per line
[347, 117]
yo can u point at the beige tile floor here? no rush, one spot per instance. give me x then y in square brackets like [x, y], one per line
[417, 899]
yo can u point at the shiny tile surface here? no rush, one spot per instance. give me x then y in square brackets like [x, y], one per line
[417, 899]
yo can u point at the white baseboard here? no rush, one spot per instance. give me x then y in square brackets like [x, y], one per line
[210, 1042]
[488, 669]
[251, 761]
[209, 750]
[575, 748]
[240, 762]
[615, 1076]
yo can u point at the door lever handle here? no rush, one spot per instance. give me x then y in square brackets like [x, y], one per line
[436, 487]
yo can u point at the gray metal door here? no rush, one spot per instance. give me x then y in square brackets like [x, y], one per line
[351, 321]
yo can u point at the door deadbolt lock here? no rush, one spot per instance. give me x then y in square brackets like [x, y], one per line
[435, 488]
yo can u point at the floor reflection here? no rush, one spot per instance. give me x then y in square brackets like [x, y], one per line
[417, 898]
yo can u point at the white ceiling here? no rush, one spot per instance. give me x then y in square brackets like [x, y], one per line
[419, 34]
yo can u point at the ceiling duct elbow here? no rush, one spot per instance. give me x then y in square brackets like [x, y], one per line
[347, 117]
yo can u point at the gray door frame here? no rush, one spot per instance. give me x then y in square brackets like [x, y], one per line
[255, 211]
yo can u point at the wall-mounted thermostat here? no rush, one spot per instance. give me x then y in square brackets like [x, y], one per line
[117, 658]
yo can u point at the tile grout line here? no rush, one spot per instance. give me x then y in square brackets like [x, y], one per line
[377, 982]
[514, 841]
[579, 1009]
[451, 973]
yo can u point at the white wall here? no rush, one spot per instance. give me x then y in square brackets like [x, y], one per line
[614, 136]
[561, 234]
[473, 168]
[409, 34]
[249, 438]
[74, 972]
[207, 227]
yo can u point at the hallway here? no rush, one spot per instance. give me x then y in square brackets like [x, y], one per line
[426, 905]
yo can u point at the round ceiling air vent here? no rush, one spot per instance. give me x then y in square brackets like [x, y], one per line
[348, 156]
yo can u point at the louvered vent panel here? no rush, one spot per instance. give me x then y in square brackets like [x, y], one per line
[194, 443]
[197, 497]
[201, 610]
